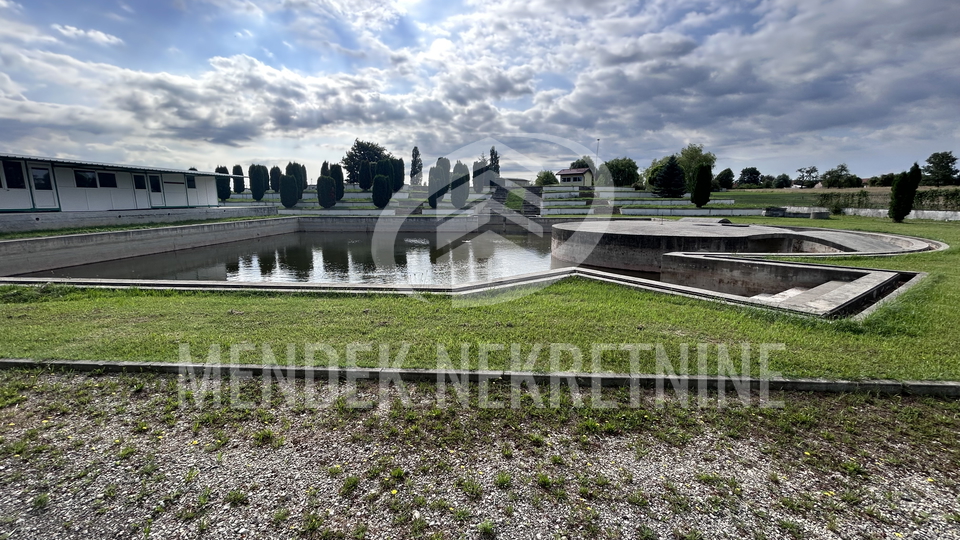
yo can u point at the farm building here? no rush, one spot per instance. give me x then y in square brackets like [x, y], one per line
[38, 184]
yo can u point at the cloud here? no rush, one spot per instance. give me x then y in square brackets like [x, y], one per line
[95, 36]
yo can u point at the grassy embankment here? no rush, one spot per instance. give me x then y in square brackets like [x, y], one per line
[914, 338]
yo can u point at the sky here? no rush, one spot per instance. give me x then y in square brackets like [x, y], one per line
[775, 84]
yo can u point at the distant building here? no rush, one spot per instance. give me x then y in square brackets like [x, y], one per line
[38, 184]
[576, 177]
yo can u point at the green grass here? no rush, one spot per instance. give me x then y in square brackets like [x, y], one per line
[912, 338]
[114, 228]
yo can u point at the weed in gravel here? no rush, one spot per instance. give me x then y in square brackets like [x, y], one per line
[350, 485]
[237, 498]
[360, 532]
[503, 480]
[471, 488]
[41, 501]
[506, 451]
[791, 528]
[110, 491]
[462, 514]
[335, 470]
[280, 515]
[126, 452]
[312, 523]
[266, 437]
[486, 529]
[638, 498]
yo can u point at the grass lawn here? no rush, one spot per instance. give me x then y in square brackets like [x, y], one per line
[913, 338]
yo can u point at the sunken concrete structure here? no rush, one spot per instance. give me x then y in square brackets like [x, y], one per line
[727, 261]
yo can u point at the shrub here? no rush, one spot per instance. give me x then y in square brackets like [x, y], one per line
[259, 181]
[275, 174]
[623, 171]
[289, 191]
[725, 179]
[438, 183]
[238, 186]
[382, 191]
[701, 186]
[397, 174]
[416, 167]
[326, 191]
[546, 178]
[460, 188]
[336, 172]
[365, 176]
[223, 183]
[903, 192]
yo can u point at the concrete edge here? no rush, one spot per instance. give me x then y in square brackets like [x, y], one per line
[947, 389]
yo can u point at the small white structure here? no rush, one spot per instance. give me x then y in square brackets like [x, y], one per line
[576, 177]
[39, 184]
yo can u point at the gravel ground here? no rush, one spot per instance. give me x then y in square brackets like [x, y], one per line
[134, 457]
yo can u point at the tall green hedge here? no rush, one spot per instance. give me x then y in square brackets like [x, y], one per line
[382, 191]
[460, 187]
[903, 192]
[326, 191]
[223, 183]
[365, 179]
[701, 186]
[289, 191]
[336, 172]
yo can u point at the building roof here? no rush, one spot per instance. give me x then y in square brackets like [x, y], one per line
[574, 171]
[112, 166]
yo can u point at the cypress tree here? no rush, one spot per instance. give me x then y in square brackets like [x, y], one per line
[385, 168]
[669, 182]
[701, 188]
[325, 169]
[326, 191]
[259, 178]
[382, 191]
[903, 192]
[336, 171]
[398, 174]
[238, 186]
[433, 188]
[289, 191]
[460, 187]
[366, 176]
[275, 174]
[223, 183]
[494, 160]
[303, 178]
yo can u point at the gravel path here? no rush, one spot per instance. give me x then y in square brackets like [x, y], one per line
[133, 457]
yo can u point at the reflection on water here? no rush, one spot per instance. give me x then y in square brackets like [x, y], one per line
[335, 258]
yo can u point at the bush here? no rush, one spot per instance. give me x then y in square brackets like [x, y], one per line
[259, 181]
[460, 188]
[725, 179]
[903, 192]
[238, 186]
[623, 171]
[326, 191]
[701, 186]
[546, 178]
[289, 191]
[336, 172]
[382, 191]
[937, 199]
[223, 183]
[365, 176]
[275, 174]
[398, 174]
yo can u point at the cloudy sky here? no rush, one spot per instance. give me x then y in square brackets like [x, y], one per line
[777, 84]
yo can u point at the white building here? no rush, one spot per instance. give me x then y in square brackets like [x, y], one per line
[38, 184]
[576, 177]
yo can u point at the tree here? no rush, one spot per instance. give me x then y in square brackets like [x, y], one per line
[648, 174]
[364, 177]
[807, 177]
[289, 191]
[749, 177]
[443, 173]
[303, 178]
[416, 167]
[298, 173]
[623, 171]
[223, 183]
[782, 181]
[326, 191]
[701, 187]
[460, 187]
[336, 172]
[382, 191]
[397, 174]
[725, 179]
[275, 174]
[546, 178]
[433, 188]
[903, 192]
[238, 186]
[325, 169]
[690, 158]
[259, 181]
[585, 162]
[385, 167]
[494, 161]
[840, 177]
[481, 172]
[670, 181]
[940, 169]
[361, 152]
[603, 176]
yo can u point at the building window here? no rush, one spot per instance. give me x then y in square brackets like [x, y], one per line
[139, 181]
[85, 179]
[107, 179]
[13, 170]
[191, 181]
[155, 183]
[41, 179]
